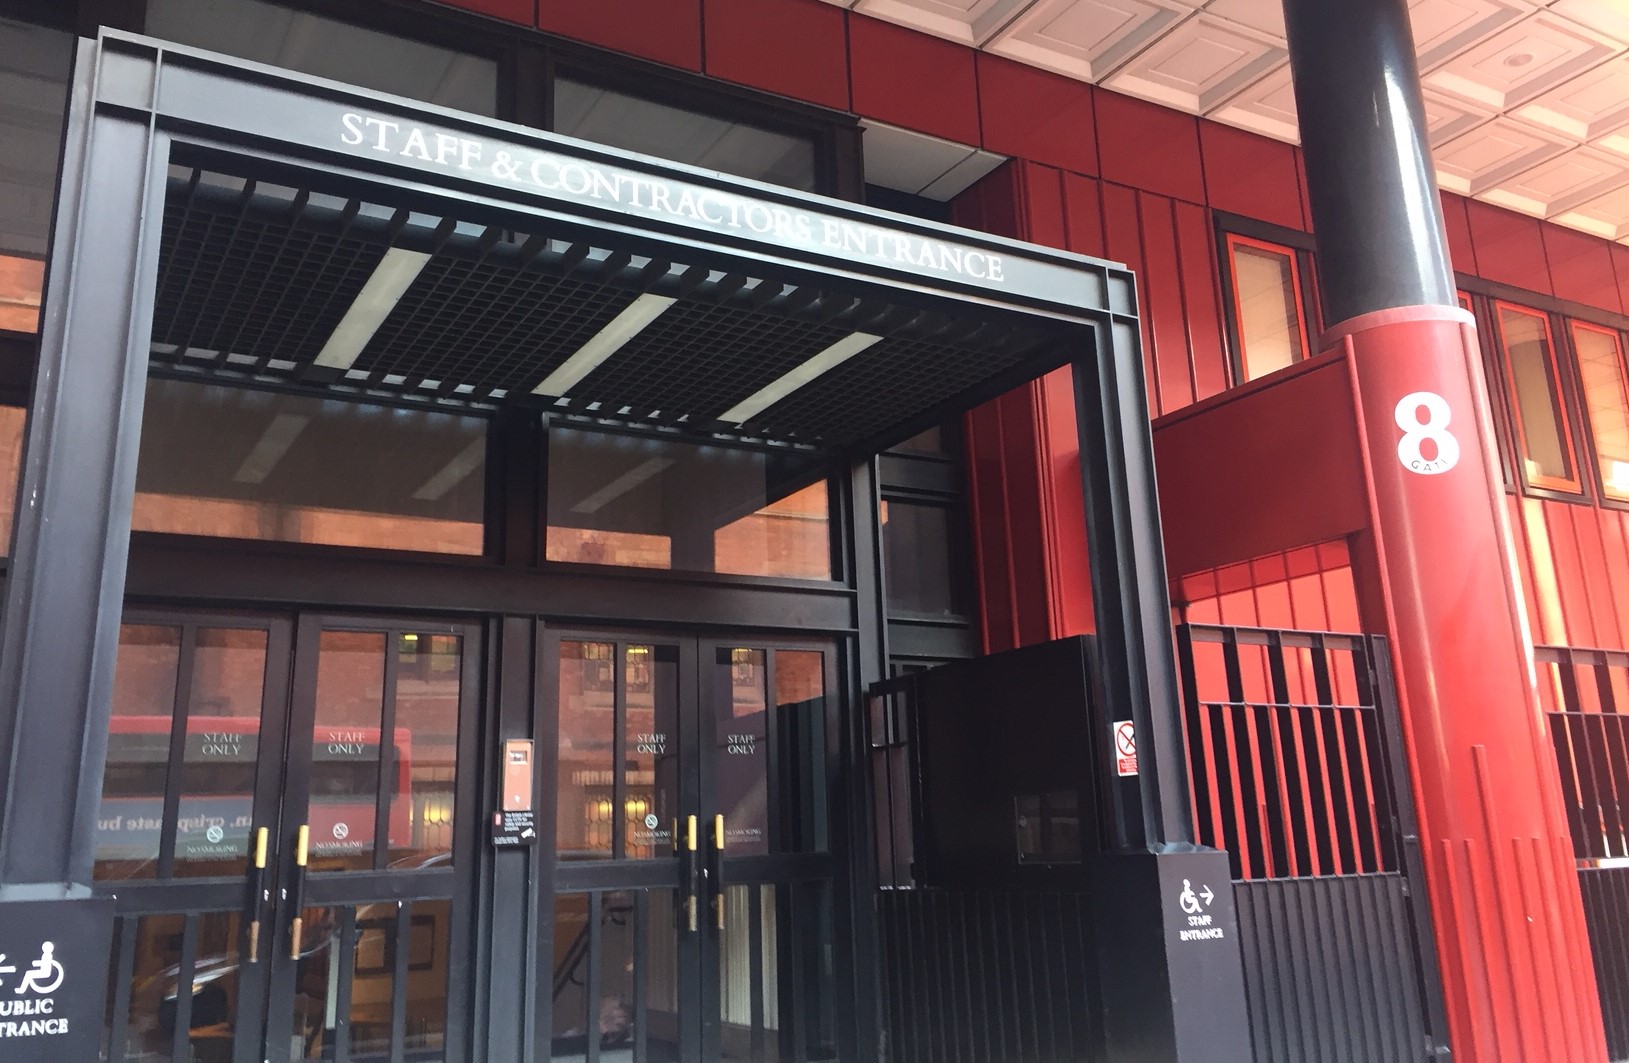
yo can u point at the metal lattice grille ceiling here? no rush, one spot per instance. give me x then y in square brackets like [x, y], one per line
[297, 287]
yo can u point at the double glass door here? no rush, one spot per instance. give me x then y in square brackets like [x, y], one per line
[692, 907]
[277, 826]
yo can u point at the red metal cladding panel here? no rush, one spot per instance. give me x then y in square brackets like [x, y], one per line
[1083, 209]
[1457, 224]
[913, 80]
[1509, 247]
[1033, 114]
[1163, 304]
[1066, 546]
[1251, 474]
[1481, 766]
[1616, 548]
[991, 206]
[668, 31]
[1620, 268]
[509, 10]
[1542, 589]
[1581, 268]
[991, 545]
[1149, 147]
[798, 48]
[1122, 235]
[1595, 601]
[1569, 574]
[1196, 251]
[1041, 205]
[1251, 175]
[1306, 198]
[1023, 492]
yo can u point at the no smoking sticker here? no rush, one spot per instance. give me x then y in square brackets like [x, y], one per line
[1125, 747]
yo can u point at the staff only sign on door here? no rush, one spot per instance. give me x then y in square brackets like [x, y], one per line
[53, 978]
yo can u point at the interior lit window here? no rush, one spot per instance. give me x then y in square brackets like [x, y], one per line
[34, 66]
[312, 44]
[1267, 309]
[652, 503]
[1542, 436]
[245, 464]
[1606, 396]
[620, 120]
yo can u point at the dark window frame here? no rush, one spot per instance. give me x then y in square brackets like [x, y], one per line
[1483, 296]
[1587, 416]
[1299, 248]
[1565, 396]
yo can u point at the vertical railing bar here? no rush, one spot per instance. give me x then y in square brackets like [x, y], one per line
[181, 1036]
[1250, 825]
[124, 973]
[1226, 791]
[398, 981]
[347, 981]
[596, 944]
[641, 976]
[755, 961]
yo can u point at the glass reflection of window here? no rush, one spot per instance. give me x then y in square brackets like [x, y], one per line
[1606, 397]
[1267, 308]
[1542, 435]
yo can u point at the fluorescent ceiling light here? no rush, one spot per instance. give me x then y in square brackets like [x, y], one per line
[452, 474]
[270, 448]
[391, 278]
[603, 344]
[776, 390]
[621, 485]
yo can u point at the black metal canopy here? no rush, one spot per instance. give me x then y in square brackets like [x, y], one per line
[318, 237]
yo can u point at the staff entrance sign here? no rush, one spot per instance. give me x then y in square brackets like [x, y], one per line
[53, 978]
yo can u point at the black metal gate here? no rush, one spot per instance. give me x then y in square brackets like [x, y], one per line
[1585, 693]
[1296, 768]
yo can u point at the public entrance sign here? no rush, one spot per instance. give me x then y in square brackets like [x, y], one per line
[53, 978]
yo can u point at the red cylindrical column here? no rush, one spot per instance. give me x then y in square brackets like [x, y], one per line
[1437, 576]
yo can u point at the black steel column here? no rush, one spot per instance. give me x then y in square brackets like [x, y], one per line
[1169, 968]
[1374, 195]
[65, 592]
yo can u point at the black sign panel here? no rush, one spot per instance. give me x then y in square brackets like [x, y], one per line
[514, 828]
[53, 978]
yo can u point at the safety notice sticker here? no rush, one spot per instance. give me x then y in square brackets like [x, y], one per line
[1125, 747]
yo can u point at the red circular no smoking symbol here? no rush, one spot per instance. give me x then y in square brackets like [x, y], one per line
[1124, 739]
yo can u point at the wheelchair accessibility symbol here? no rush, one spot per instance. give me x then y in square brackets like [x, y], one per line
[45, 976]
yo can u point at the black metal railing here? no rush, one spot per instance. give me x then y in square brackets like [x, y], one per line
[1295, 767]
[985, 976]
[1585, 693]
[1285, 755]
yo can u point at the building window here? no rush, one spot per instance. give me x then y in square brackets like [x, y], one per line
[312, 44]
[1606, 397]
[1543, 437]
[1267, 305]
[921, 560]
[244, 464]
[641, 502]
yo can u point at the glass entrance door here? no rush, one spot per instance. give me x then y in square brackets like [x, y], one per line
[693, 871]
[277, 825]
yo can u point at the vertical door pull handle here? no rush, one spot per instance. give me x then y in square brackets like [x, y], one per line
[717, 875]
[253, 887]
[302, 851]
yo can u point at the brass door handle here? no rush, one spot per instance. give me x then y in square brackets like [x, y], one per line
[302, 844]
[690, 846]
[253, 889]
[717, 875]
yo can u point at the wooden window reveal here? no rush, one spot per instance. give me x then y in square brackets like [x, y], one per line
[1267, 308]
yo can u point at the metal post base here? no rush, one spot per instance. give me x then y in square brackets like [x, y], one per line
[1169, 962]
